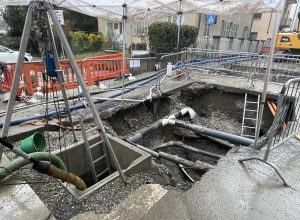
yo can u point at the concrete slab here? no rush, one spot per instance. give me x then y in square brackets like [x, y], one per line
[132, 208]
[19, 201]
[235, 191]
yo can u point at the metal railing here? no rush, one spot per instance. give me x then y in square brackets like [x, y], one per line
[106, 74]
[241, 64]
[205, 42]
[223, 62]
[174, 58]
[286, 123]
[287, 118]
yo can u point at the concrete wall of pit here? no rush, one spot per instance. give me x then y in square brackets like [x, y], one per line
[130, 158]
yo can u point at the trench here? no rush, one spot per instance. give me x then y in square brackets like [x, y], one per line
[215, 108]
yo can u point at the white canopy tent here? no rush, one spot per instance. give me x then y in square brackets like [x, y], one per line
[154, 9]
[136, 9]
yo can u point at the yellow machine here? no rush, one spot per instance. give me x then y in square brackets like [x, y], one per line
[289, 42]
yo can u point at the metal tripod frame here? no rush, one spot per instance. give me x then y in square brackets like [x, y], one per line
[42, 5]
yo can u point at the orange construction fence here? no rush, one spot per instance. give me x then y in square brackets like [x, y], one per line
[92, 69]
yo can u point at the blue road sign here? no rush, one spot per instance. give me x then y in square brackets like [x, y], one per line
[211, 19]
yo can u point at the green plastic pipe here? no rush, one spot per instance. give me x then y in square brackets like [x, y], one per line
[21, 162]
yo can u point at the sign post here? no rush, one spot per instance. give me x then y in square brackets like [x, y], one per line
[210, 20]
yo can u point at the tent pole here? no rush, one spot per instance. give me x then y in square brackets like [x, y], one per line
[178, 34]
[124, 17]
[268, 72]
[179, 25]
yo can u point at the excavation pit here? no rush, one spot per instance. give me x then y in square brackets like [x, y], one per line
[219, 109]
[130, 159]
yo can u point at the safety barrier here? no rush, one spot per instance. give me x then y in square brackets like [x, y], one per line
[174, 58]
[284, 67]
[286, 123]
[33, 74]
[103, 72]
[106, 72]
[241, 64]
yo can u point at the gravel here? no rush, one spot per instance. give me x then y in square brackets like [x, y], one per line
[64, 206]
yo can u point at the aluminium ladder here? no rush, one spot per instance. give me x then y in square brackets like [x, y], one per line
[90, 158]
[250, 117]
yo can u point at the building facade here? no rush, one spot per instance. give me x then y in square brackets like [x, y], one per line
[136, 32]
[263, 23]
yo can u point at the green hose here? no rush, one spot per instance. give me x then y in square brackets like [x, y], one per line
[21, 162]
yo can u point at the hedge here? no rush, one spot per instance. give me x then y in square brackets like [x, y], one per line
[163, 36]
[84, 42]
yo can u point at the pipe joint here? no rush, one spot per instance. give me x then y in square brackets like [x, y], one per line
[192, 113]
[135, 138]
[41, 167]
[168, 121]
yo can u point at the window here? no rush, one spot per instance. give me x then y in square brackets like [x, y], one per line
[113, 28]
[207, 30]
[253, 35]
[285, 39]
[229, 28]
[172, 18]
[109, 27]
[236, 29]
[116, 26]
[140, 28]
[224, 29]
[257, 16]
[246, 32]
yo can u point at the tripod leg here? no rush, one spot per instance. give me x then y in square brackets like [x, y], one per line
[17, 73]
[85, 91]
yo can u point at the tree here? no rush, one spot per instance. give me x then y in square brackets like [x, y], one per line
[80, 22]
[15, 18]
[163, 36]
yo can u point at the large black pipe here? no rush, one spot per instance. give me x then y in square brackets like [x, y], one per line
[235, 139]
[175, 159]
[158, 124]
